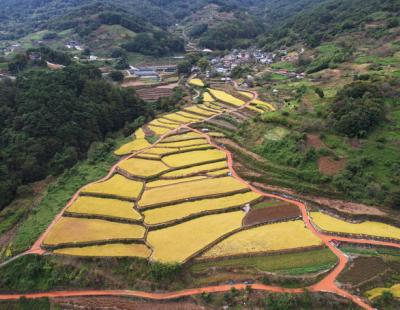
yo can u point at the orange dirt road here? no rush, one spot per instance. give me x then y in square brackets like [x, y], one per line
[327, 284]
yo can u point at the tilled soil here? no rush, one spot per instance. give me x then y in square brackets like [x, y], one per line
[362, 269]
[268, 214]
[329, 166]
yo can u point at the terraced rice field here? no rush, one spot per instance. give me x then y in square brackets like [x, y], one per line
[225, 97]
[267, 238]
[161, 182]
[137, 144]
[193, 236]
[159, 131]
[116, 187]
[192, 190]
[108, 250]
[196, 82]
[143, 168]
[246, 94]
[182, 210]
[178, 118]
[109, 208]
[375, 229]
[182, 137]
[69, 231]
[200, 111]
[376, 292]
[196, 170]
[184, 143]
[207, 97]
[194, 158]
[263, 105]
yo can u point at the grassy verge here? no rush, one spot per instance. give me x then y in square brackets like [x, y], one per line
[293, 263]
[97, 165]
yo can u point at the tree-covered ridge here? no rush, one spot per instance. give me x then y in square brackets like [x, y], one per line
[48, 120]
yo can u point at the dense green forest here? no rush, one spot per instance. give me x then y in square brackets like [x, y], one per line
[49, 119]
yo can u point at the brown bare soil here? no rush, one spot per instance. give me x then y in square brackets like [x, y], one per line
[339, 205]
[229, 142]
[329, 166]
[363, 269]
[147, 131]
[315, 141]
[222, 124]
[268, 214]
[118, 303]
[153, 94]
[168, 86]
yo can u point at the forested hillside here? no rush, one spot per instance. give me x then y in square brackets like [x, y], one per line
[48, 121]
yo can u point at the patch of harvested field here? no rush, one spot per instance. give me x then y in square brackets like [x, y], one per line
[193, 158]
[329, 166]
[71, 230]
[267, 238]
[225, 97]
[161, 182]
[112, 208]
[143, 168]
[115, 187]
[196, 169]
[362, 269]
[181, 210]
[272, 213]
[332, 224]
[179, 242]
[108, 250]
[190, 190]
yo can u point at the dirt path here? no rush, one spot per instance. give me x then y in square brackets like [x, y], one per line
[327, 284]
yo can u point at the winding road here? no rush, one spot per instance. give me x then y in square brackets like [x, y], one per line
[327, 284]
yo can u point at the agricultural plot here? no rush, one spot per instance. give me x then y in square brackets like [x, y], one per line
[196, 82]
[218, 173]
[71, 231]
[108, 250]
[194, 158]
[271, 213]
[136, 145]
[246, 94]
[162, 182]
[161, 151]
[190, 191]
[376, 292]
[117, 187]
[184, 143]
[157, 123]
[179, 118]
[196, 170]
[185, 209]
[255, 109]
[263, 105]
[182, 137]
[267, 238]
[180, 242]
[207, 97]
[159, 131]
[375, 229]
[143, 168]
[192, 116]
[225, 97]
[196, 109]
[108, 208]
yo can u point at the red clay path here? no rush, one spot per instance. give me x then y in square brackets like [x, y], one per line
[327, 284]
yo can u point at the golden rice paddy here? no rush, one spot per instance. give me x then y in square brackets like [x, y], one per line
[255, 109]
[193, 236]
[182, 210]
[156, 123]
[143, 168]
[115, 187]
[197, 147]
[263, 104]
[272, 237]
[183, 143]
[196, 169]
[246, 94]
[136, 145]
[196, 82]
[179, 118]
[113, 208]
[148, 156]
[166, 182]
[71, 230]
[218, 173]
[183, 137]
[190, 190]
[193, 158]
[108, 250]
[376, 292]
[194, 117]
[207, 97]
[225, 97]
[167, 122]
[161, 150]
[158, 130]
[139, 134]
[200, 111]
[331, 224]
